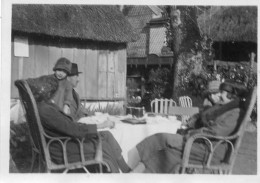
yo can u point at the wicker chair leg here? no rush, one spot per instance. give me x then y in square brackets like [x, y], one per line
[177, 169]
[33, 160]
[100, 168]
[39, 164]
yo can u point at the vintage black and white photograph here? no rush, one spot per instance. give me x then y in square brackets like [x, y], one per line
[156, 89]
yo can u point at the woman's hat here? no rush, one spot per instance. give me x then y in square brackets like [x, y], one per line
[44, 87]
[227, 87]
[74, 70]
[63, 64]
[213, 86]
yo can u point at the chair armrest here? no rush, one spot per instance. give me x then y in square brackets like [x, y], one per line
[63, 142]
[207, 136]
[99, 153]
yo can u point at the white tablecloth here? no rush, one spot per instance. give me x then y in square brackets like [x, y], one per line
[129, 135]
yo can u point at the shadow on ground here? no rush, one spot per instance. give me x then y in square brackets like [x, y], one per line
[245, 164]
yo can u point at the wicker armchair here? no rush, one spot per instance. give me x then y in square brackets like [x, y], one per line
[213, 142]
[40, 141]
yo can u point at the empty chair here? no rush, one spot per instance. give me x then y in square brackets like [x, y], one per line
[161, 106]
[185, 101]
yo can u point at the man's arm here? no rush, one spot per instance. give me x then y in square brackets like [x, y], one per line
[54, 119]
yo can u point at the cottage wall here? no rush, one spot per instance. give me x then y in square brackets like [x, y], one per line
[103, 65]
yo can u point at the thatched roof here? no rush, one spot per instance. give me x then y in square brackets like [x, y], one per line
[93, 22]
[230, 23]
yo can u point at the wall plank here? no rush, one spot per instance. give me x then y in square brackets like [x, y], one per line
[67, 50]
[116, 85]
[111, 75]
[102, 74]
[41, 53]
[110, 85]
[54, 55]
[79, 58]
[111, 62]
[122, 73]
[91, 75]
[29, 62]
[121, 61]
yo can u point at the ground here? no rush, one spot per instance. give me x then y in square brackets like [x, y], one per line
[246, 161]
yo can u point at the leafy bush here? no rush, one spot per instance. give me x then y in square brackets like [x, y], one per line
[159, 83]
[20, 147]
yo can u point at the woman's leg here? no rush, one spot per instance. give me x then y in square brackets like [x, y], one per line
[153, 146]
[158, 142]
[108, 138]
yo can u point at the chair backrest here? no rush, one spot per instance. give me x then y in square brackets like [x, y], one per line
[33, 119]
[183, 112]
[248, 106]
[185, 101]
[162, 105]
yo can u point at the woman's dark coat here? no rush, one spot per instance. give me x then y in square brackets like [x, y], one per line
[161, 152]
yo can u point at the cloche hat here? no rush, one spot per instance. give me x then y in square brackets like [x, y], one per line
[63, 64]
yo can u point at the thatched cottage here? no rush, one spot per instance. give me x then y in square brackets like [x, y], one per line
[95, 37]
[233, 30]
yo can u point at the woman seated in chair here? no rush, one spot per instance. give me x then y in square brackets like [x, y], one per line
[212, 94]
[161, 153]
[212, 98]
[57, 124]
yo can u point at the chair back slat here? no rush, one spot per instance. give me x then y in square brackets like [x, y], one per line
[33, 119]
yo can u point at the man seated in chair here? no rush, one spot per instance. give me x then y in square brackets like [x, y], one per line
[161, 153]
[77, 111]
[56, 124]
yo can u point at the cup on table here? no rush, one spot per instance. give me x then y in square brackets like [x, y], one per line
[136, 112]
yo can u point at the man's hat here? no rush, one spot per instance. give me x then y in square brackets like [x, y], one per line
[63, 64]
[213, 86]
[74, 70]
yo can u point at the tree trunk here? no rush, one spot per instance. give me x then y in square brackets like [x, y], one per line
[175, 76]
[175, 22]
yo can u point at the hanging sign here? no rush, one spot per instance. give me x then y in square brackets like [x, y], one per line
[21, 47]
